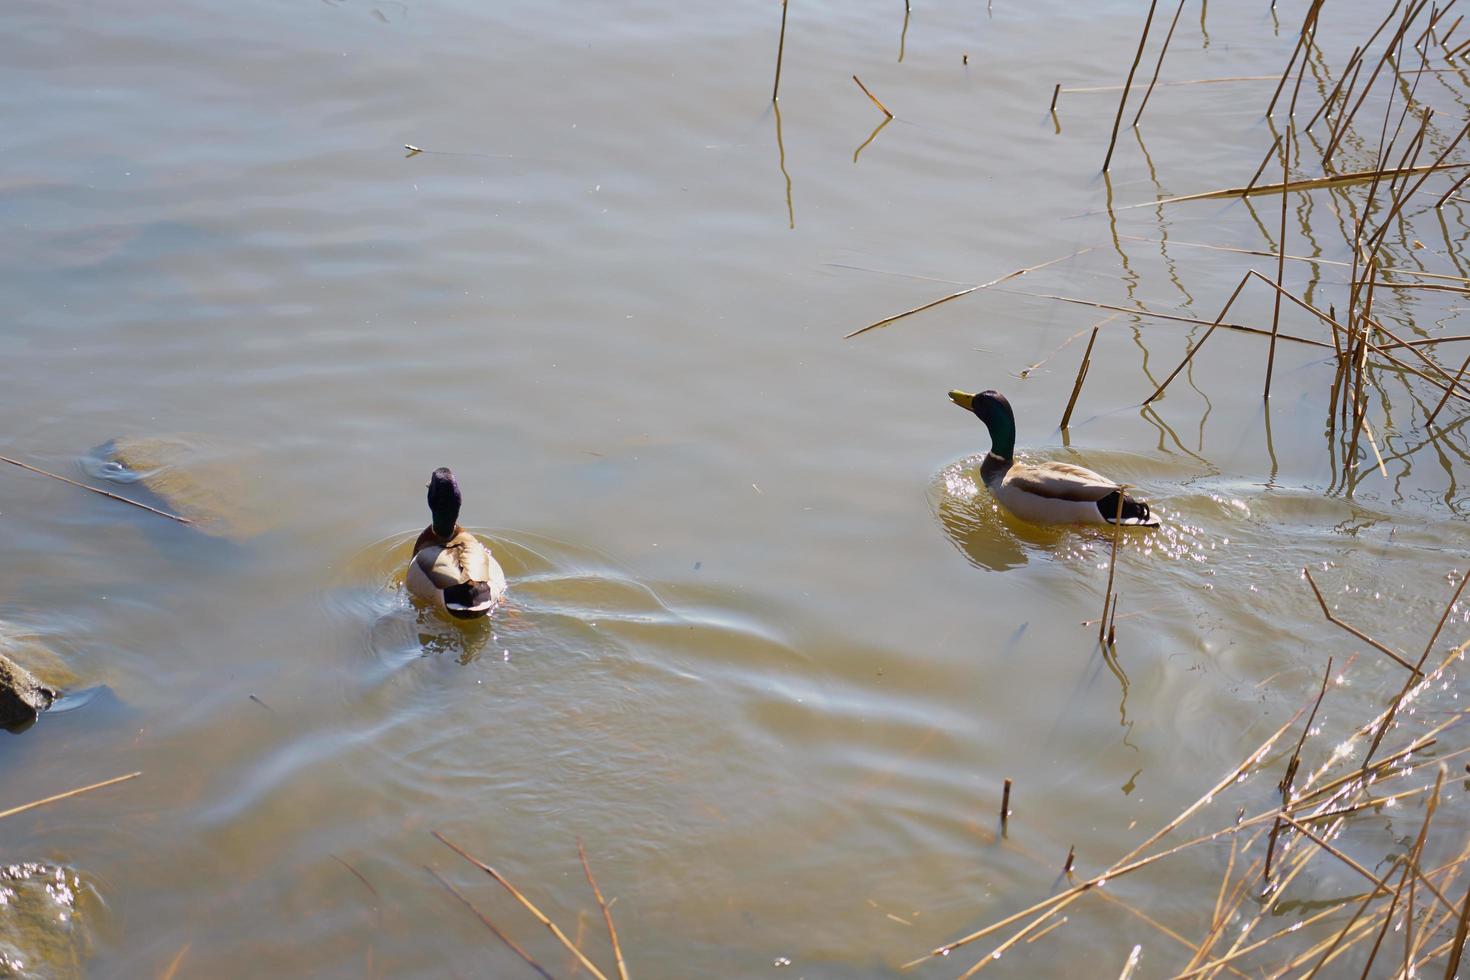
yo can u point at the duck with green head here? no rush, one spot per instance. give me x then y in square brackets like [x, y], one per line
[451, 568]
[1046, 492]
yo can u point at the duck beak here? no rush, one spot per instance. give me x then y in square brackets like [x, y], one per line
[963, 400]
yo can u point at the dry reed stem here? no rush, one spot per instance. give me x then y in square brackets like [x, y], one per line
[1112, 563]
[612, 932]
[1189, 356]
[1127, 863]
[1367, 430]
[1293, 762]
[1346, 119]
[964, 292]
[172, 969]
[1132, 964]
[486, 920]
[1308, 23]
[780, 51]
[1353, 630]
[1305, 184]
[1313, 259]
[1461, 928]
[105, 493]
[1401, 199]
[1127, 85]
[1281, 262]
[1340, 855]
[870, 95]
[1095, 89]
[1262, 168]
[1446, 397]
[1081, 377]
[1055, 94]
[526, 904]
[1143, 311]
[1158, 65]
[68, 794]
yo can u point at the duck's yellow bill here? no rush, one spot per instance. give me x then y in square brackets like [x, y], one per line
[963, 400]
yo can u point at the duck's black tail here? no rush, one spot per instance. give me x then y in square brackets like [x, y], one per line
[469, 600]
[1135, 512]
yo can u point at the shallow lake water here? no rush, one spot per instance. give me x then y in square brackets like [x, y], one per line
[770, 652]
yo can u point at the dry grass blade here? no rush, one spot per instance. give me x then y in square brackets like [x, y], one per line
[526, 903]
[1356, 632]
[870, 95]
[1128, 85]
[68, 794]
[965, 292]
[449, 886]
[105, 493]
[612, 931]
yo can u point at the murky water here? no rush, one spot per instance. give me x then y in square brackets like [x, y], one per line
[770, 651]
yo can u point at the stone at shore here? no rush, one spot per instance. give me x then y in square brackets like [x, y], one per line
[22, 695]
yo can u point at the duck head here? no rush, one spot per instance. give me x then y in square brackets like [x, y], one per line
[992, 408]
[444, 501]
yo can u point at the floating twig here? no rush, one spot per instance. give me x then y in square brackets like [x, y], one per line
[964, 292]
[105, 493]
[1355, 631]
[68, 794]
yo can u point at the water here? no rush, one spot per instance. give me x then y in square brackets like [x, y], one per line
[769, 653]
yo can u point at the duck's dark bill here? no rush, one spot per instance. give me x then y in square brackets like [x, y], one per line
[963, 400]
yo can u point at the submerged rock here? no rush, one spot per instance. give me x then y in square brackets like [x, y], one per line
[205, 483]
[22, 695]
[45, 930]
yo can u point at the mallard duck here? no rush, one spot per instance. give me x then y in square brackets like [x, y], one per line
[1044, 493]
[450, 566]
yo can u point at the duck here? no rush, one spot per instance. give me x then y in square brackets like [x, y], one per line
[1046, 492]
[450, 567]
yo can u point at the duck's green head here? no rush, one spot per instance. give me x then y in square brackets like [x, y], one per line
[444, 501]
[991, 408]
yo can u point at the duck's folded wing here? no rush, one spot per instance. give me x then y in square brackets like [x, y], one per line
[1061, 481]
[441, 566]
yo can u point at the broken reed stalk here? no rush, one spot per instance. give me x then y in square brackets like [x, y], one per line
[1112, 565]
[1005, 808]
[1355, 631]
[1127, 86]
[1081, 377]
[780, 50]
[68, 794]
[612, 931]
[1345, 120]
[1446, 397]
[1071, 860]
[1306, 184]
[1055, 94]
[105, 493]
[964, 292]
[870, 95]
[464, 900]
[1158, 65]
[526, 903]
